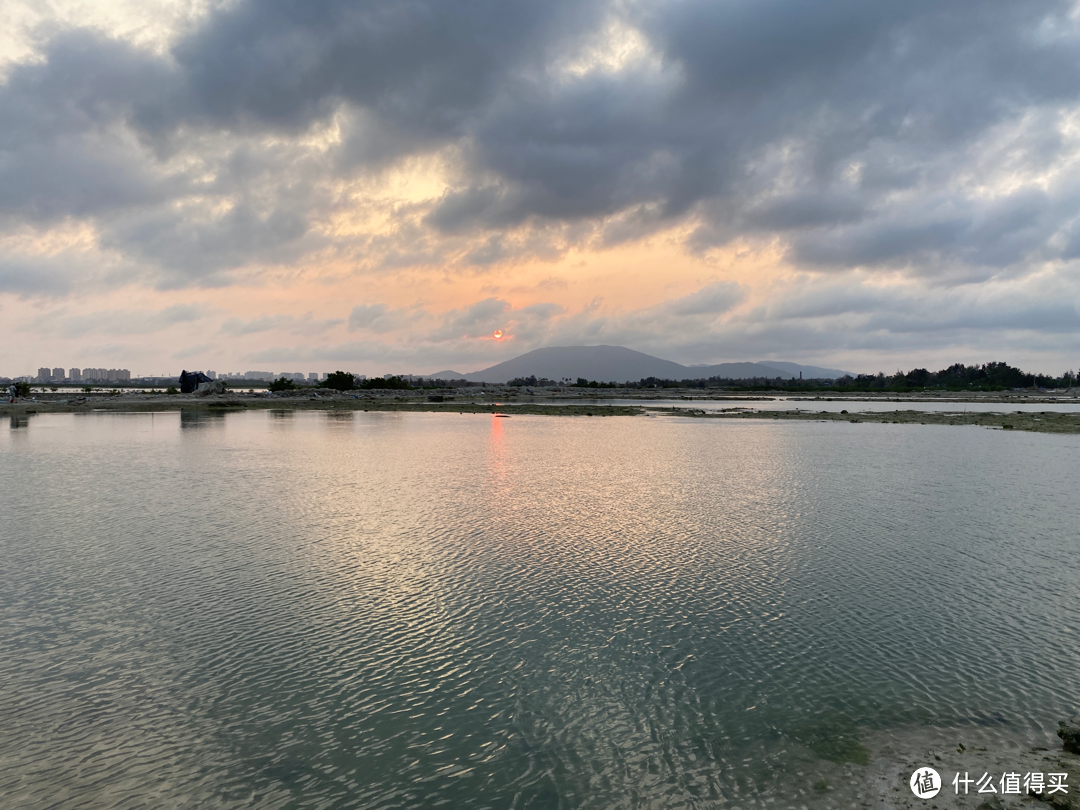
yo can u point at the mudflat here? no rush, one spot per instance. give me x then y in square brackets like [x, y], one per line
[592, 402]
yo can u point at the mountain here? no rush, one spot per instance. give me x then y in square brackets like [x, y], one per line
[619, 364]
[808, 372]
[735, 371]
[446, 375]
[605, 363]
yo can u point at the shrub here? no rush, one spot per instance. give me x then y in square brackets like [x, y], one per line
[171, 390]
[282, 384]
[396, 383]
[339, 381]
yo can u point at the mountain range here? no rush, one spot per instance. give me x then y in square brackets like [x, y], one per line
[619, 364]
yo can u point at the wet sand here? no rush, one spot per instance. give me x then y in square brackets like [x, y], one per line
[891, 756]
[1040, 422]
[567, 402]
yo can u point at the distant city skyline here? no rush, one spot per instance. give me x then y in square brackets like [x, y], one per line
[290, 185]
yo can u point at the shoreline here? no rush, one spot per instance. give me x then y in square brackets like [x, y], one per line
[510, 404]
[1037, 422]
[890, 756]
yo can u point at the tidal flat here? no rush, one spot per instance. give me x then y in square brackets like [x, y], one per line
[1061, 414]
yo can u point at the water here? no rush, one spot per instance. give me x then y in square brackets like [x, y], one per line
[276, 609]
[837, 405]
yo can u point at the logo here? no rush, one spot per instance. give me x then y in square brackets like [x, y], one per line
[925, 783]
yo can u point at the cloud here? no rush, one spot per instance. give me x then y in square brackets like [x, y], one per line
[856, 317]
[306, 324]
[712, 300]
[124, 321]
[379, 318]
[919, 143]
[824, 124]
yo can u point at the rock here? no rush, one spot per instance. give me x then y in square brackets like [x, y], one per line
[207, 388]
[1059, 801]
[1069, 731]
[993, 803]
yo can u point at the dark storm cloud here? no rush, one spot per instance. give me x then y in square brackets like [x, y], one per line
[423, 67]
[903, 89]
[62, 151]
[851, 130]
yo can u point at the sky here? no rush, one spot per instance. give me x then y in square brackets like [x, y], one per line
[379, 185]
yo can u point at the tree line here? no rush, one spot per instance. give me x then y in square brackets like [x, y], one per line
[996, 376]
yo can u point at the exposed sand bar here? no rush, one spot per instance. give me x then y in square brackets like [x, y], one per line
[1042, 422]
[147, 403]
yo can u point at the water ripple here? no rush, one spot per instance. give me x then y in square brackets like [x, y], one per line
[407, 610]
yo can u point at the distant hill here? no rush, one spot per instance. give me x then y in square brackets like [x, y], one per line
[446, 375]
[808, 372]
[619, 364]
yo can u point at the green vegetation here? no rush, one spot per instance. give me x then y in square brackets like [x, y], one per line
[821, 785]
[393, 383]
[832, 736]
[583, 383]
[339, 381]
[282, 384]
[22, 389]
[344, 381]
[995, 376]
[957, 377]
[171, 390]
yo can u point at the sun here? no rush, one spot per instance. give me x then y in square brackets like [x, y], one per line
[498, 334]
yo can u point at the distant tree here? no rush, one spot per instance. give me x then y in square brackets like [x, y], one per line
[532, 381]
[394, 383]
[282, 384]
[339, 381]
[171, 390]
[916, 378]
[22, 389]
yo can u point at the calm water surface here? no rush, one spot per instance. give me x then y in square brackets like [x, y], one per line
[420, 610]
[836, 405]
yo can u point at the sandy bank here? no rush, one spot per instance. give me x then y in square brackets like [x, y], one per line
[890, 756]
[551, 405]
[1040, 422]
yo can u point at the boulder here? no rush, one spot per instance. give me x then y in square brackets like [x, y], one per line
[1069, 731]
[207, 388]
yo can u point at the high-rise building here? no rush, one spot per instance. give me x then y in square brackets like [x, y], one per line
[313, 376]
[43, 375]
[58, 375]
[75, 375]
[105, 375]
